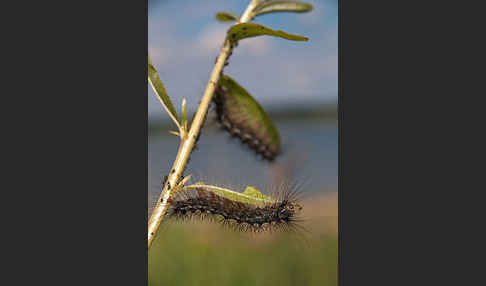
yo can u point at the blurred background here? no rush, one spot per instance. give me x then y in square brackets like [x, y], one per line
[296, 83]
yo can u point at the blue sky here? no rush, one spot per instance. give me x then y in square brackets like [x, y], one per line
[184, 39]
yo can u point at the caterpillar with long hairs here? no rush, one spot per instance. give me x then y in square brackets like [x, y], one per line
[254, 214]
[241, 115]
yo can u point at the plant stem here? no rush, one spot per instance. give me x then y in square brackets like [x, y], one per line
[189, 139]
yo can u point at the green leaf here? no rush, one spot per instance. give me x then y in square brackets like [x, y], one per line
[252, 197]
[184, 114]
[247, 30]
[227, 17]
[244, 113]
[281, 6]
[159, 90]
[254, 192]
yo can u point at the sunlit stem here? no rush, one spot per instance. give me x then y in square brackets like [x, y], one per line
[188, 140]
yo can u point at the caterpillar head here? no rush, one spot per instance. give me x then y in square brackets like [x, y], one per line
[288, 210]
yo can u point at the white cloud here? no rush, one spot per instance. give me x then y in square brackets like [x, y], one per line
[210, 39]
[272, 69]
[159, 55]
[298, 81]
[255, 47]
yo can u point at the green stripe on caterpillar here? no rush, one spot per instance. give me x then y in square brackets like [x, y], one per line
[243, 117]
[247, 211]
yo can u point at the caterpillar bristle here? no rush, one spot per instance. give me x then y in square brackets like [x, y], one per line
[201, 204]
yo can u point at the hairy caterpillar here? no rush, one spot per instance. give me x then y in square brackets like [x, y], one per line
[244, 118]
[254, 214]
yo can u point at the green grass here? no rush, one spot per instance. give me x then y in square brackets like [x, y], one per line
[207, 254]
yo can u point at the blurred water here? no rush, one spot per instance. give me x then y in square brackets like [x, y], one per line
[310, 156]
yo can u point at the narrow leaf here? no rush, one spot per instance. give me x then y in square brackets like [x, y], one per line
[254, 192]
[180, 185]
[233, 195]
[247, 30]
[281, 6]
[227, 17]
[159, 90]
[243, 117]
[184, 113]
